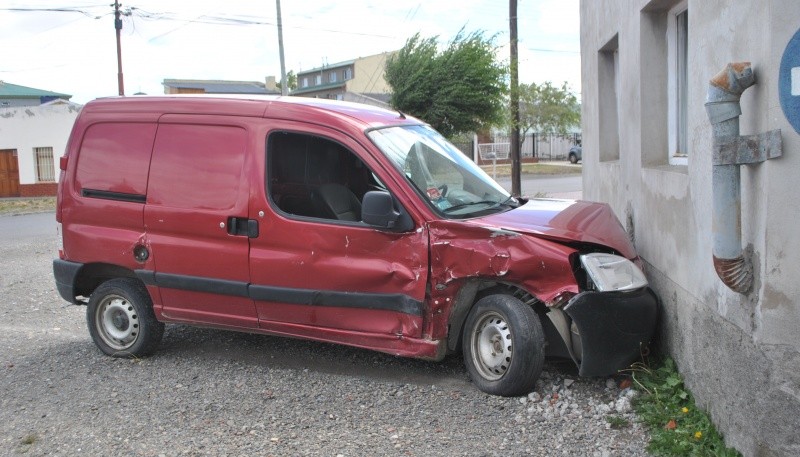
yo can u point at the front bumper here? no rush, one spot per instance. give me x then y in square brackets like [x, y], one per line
[613, 327]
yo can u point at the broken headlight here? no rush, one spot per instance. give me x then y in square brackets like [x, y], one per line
[611, 272]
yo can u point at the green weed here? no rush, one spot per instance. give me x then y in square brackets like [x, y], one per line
[677, 426]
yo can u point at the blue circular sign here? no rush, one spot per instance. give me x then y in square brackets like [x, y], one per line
[789, 82]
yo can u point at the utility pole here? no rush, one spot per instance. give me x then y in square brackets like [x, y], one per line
[515, 149]
[284, 83]
[118, 27]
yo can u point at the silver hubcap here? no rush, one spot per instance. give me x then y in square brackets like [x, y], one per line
[117, 322]
[491, 346]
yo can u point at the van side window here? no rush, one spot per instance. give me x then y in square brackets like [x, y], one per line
[315, 177]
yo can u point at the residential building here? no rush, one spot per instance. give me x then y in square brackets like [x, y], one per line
[207, 86]
[15, 95]
[650, 151]
[32, 141]
[360, 80]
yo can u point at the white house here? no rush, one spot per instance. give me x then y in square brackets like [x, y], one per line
[32, 139]
[713, 217]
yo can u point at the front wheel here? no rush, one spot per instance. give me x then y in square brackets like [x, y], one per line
[573, 159]
[503, 345]
[121, 320]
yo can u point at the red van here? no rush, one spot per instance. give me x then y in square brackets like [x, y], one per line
[334, 222]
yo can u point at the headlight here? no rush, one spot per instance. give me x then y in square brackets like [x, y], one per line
[612, 272]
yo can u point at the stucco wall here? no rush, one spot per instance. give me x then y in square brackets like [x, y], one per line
[740, 354]
[25, 128]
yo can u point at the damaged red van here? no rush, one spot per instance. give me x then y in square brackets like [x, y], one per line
[334, 222]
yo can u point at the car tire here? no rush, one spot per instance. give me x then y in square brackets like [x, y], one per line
[503, 346]
[573, 159]
[121, 319]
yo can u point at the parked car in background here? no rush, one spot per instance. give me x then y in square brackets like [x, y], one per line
[575, 154]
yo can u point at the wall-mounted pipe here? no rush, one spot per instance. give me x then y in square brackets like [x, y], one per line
[731, 150]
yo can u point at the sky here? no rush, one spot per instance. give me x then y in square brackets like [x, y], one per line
[74, 52]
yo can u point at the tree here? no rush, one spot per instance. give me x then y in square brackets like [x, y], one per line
[547, 109]
[291, 80]
[458, 89]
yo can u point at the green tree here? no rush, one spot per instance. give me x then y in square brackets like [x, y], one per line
[291, 80]
[458, 89]
[547, 109]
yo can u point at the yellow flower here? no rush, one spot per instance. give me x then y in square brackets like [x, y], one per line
[698, 435]
[685, 410]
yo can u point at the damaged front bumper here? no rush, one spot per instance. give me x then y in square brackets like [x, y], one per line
[612, 328]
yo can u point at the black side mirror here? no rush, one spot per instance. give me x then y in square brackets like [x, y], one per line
[377, 209]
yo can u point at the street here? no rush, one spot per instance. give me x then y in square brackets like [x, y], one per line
[559, 186]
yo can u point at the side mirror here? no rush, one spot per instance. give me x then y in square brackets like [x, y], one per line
[377, 209]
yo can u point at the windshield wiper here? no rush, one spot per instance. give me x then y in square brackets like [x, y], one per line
[492, 204]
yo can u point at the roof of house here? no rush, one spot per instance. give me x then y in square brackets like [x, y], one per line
[221, 87]
[305, 90]
[8, 90]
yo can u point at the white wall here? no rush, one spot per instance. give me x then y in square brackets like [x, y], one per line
[25, 128]
[740, 354]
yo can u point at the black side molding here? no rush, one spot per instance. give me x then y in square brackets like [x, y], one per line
[116, 196]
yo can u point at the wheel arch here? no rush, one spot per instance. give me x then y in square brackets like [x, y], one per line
[91, 275]
[475, 289]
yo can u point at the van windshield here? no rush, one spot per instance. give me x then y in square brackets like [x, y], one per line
[448, 180]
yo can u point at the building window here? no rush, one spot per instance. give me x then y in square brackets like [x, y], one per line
[348, 73]
[332, 77]
[318, 80]
[305, 82]
[608, 102]
[677, 55]
[45, 166]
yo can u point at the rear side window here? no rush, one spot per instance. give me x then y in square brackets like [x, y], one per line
[197, 166]
[114, 158]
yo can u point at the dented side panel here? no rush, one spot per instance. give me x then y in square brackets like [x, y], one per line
[463, 251]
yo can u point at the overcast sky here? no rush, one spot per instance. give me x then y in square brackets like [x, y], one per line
[74, 52]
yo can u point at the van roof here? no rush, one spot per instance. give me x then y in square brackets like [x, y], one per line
[253, 106]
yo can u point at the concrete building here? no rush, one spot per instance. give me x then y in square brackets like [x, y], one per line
[360, 80]
[649, 150]
[32, 140]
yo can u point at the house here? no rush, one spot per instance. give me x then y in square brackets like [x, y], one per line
[718, 237]
[15, 95]
[207, 86]
[32, 140]
[360, 80]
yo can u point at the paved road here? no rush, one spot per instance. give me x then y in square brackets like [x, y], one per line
[568, 186]
[27, 226]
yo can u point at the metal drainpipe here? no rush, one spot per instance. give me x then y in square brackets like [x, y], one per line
[730, 151]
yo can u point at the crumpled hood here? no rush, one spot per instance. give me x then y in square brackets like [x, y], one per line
[565, 221]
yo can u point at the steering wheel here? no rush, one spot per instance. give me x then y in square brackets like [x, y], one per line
[443, 190]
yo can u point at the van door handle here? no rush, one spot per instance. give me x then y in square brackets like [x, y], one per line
[242, 226]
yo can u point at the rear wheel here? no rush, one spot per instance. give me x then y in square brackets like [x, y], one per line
[573, 158]
[503, 345]
[121, 319]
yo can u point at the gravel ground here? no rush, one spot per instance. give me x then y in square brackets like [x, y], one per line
[210, 392]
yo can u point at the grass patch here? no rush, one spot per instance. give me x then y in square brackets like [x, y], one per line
[617, 422]
[677, 426]
[27, 205]
[29, 439]
[534, 169]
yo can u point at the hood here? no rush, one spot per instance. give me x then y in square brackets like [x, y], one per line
[565, 221]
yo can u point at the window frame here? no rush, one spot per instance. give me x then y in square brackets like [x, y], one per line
[45, 163]
[677, 83]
